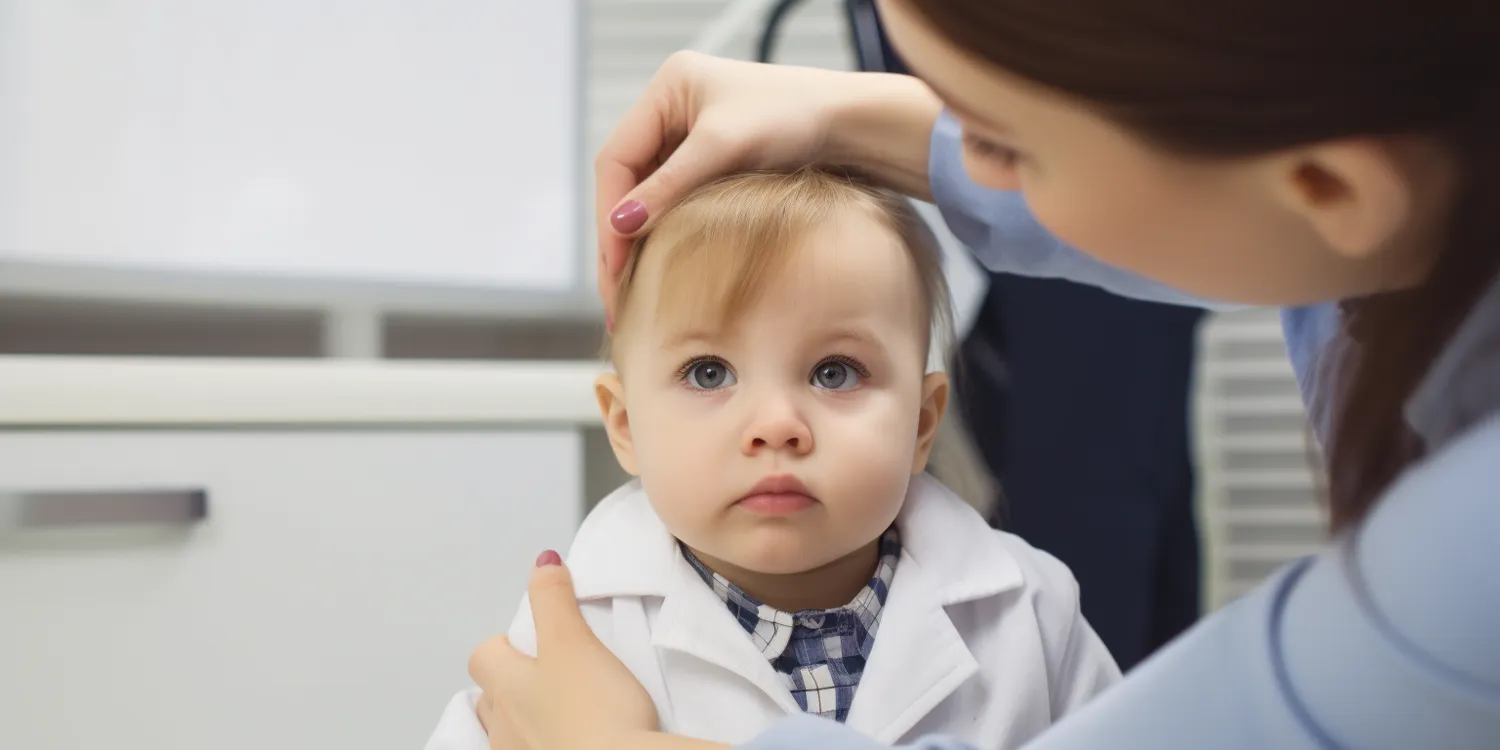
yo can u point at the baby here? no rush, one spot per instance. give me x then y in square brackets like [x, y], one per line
[782, 549]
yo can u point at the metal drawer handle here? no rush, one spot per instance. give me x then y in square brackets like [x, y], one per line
[63, 508]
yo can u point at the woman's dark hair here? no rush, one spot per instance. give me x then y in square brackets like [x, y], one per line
[1226, 78]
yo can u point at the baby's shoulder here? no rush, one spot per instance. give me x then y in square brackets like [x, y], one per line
[1030, 582]
[622, 549]
[619, 530]
[1041, 571]
[622, 507]
[975, 562]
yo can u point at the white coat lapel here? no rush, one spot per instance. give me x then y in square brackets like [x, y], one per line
[949, 555]
[919, 659]
[694, 621]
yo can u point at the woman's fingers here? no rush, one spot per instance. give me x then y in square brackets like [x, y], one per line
[628, 156]
[617, 170]
[484, 708]
[700, 158]
[576, 693]
[503, 675]
[702, 117]
[496, 663]
[497, 724]
[703, 155]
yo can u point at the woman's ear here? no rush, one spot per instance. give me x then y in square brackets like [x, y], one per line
[1353, 193]
[611, 395]
[934, 403]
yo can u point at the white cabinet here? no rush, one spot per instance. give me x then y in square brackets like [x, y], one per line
[328, 598]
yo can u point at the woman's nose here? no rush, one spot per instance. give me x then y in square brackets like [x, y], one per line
[778, 427]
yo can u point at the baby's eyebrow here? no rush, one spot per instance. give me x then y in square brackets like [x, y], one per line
[856, 334]
[683, 337]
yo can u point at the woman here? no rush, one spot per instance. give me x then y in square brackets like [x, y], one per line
[1341, 161]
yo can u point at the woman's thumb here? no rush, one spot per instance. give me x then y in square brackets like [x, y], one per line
[554, 606]
[495, 662]
[690, 166]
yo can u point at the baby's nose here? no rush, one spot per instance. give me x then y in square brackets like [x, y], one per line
[778, 428]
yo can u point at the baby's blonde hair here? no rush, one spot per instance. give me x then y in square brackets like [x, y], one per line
[726, 241]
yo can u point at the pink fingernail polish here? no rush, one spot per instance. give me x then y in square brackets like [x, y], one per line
[548, 558]
[609, 322]
[628, 218]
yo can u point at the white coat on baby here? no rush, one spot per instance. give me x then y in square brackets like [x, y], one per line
[981, 637]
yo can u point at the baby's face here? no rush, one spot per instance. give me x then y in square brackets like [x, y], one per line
[818, 389]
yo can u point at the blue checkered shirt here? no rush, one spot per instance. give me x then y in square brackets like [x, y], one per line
[819, 653]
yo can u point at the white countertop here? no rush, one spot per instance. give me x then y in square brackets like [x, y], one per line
[127, 391]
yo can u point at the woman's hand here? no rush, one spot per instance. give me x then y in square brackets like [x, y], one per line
[497, 725]
[575, 695]
[702, 117]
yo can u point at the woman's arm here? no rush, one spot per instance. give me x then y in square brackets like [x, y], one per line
[884, 128]
[702, 117]
[1387, 640]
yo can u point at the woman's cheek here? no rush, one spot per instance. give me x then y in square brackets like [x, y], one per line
[1080, 221]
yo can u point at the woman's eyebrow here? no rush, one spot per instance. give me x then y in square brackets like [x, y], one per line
[953, 105]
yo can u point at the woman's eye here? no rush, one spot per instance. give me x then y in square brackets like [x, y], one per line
[991, 151]
[709, 374]
[835, 376]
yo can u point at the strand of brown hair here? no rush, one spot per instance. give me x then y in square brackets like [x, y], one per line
[1396, 337]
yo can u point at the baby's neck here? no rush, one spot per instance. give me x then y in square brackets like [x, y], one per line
[827, 587]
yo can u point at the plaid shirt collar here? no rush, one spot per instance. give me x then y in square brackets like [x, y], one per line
[771, 628]
[819, 653]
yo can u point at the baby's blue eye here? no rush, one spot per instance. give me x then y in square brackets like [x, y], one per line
[835, 376]
[709, 374]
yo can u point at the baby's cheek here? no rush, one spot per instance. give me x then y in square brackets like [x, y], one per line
[673, 497]
[678, 472]
[874, 463]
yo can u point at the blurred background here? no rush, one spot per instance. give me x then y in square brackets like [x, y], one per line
[297, 327]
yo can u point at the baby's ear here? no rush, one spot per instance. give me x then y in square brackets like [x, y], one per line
[611, 395]
[934, 403]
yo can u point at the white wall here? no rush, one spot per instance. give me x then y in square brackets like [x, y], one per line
[376, 141]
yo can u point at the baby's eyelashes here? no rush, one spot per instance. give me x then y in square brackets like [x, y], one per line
[707, 374]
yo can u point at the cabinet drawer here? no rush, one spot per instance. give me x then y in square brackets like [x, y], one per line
[328, 596]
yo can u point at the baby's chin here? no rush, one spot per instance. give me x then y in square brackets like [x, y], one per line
[783, 551]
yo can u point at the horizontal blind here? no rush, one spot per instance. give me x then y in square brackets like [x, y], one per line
[1259, 489]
